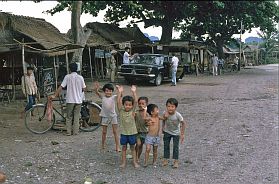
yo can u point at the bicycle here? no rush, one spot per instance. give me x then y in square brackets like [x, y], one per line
[36, 119]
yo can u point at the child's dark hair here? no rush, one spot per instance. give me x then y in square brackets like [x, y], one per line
[30, 68]
[127, 98]
[108, 86]
[143, 98]
[150, 108]
[172, 101]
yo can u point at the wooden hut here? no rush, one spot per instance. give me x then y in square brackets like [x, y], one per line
[251, 53]
[27, 40]
[140, 44]
[187, 51]
[106, 37]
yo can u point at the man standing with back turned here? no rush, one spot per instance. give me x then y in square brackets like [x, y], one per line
[75, 87]
[174, 65]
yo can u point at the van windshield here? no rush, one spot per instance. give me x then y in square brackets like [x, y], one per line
[148, 59]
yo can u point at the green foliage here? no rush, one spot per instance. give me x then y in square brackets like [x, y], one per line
[270, 45]
[167, 14]
[217, 21]
[92, 7]
[221, 19]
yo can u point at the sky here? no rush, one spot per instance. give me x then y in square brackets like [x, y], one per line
[62, 20]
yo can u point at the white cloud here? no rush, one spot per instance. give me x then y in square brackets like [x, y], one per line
[62, 20]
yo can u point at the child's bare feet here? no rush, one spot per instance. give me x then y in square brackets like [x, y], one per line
[165, 162]
[145, 165]
[136, 165]
[175, 164]
[123, 165]
[2, 177]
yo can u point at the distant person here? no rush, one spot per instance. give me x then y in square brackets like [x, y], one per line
[29, 88]
[74, 96]
[220, 65]
[235, 61]
[214, 65]
[173, 127]
[174, 65]
[127, 57]
[112, 65]
[196, 63]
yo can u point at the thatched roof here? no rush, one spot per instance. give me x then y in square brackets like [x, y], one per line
[44, 34]
[111, 33]
[136, 34]
[229, 50]
[96, 40]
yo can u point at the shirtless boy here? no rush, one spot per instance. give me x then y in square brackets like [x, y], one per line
[152, 137]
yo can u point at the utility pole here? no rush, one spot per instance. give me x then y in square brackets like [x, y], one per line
[240, 49]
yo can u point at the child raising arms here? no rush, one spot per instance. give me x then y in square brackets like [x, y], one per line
[128, 129]
[152, 137]
[108, 113]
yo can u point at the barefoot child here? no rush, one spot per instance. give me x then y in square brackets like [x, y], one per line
[128, 129]
[173, 128]
[152, 137]
[108, 113]
[141, 124]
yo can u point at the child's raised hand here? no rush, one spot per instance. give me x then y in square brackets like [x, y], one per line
[96, 85]
[133, 88]
[119, 88]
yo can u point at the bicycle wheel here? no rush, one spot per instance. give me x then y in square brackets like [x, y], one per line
[93, 122]
[36, 120]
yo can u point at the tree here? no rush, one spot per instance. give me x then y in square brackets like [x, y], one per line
[219, 20]
[167, 14]
[270, 44]
[78, 33]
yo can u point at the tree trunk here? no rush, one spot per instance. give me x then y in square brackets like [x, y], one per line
[220, 45]
[166, 37]
[167, 26]
[79, 35]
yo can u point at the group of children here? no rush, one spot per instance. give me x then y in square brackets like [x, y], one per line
[140, 124]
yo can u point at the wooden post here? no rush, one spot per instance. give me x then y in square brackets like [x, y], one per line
[13, 65]
[91, 71]
[24, 68]
[54, 67]
[67, 62]
[102, 69]
[240, 50]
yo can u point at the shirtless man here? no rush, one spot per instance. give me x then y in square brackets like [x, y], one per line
[152, 137]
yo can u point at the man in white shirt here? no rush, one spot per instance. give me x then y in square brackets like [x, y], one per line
[214, 65]
[75, 92]
[174, 65]
[126, 56]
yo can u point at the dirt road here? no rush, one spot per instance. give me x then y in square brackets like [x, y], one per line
[232, 137]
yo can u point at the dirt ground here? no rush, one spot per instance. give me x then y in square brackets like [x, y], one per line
[232, 137]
